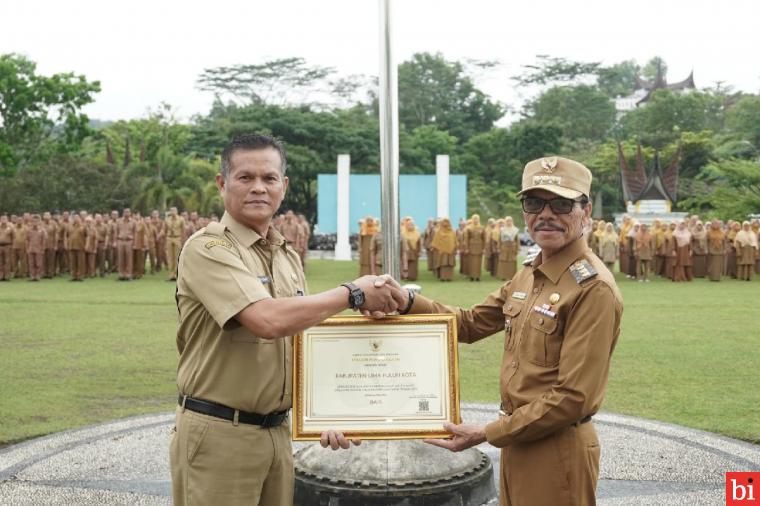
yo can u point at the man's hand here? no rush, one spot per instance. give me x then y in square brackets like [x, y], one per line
[335, 440]
[379, 296]
[398, 294]
[465, 436]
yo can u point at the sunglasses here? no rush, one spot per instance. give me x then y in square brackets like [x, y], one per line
[559, 205]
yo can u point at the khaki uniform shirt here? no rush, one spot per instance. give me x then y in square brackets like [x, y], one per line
[7, 235]
[102, 230]
[554, 369]
[76, 237]
[474, 240]
[125, 229]
[36, 239]
[175, 227]
[141, 235]
[19, 237]
[222, 269]
[51, 228]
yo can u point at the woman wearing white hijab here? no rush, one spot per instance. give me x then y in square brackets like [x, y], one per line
[682, 268]
[509, 246]
[745, 243]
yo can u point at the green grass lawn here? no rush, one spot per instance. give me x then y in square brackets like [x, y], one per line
[80, 353]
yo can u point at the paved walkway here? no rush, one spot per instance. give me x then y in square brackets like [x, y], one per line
[126, 462]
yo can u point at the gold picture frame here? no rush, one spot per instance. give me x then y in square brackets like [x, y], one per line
[363, 376]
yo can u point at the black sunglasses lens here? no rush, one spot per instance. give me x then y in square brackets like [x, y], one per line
[533, 205]
[561, 206]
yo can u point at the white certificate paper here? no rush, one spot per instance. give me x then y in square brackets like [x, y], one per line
[389, 380]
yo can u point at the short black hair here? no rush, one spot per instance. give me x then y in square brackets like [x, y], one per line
[251, 142]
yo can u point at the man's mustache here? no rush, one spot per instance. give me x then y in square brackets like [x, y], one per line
[548, 225]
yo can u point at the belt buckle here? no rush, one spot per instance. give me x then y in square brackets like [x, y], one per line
[267, 421]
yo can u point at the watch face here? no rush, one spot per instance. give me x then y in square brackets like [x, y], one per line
[358, 298]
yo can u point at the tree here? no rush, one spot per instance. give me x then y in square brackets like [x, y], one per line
[668, 113]
[744, 119]
[618, 80]
[552, 70]
[417, 150]
[582, 111]
[654, 67]
[39, 115]
[734, 189]
[433, 91]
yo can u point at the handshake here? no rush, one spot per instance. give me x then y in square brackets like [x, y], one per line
[382, 296]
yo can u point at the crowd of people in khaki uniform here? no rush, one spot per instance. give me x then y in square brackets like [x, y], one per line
[493, 248]
[85, 245]
[679, 251]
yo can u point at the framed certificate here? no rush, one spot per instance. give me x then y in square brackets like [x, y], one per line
[395, 378]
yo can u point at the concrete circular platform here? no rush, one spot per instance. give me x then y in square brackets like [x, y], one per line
[126, 462]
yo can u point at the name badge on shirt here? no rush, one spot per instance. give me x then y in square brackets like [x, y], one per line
[519, 295]
[264, 280]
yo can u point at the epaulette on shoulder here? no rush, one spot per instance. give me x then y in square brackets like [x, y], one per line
[215, 228]
[582, 270]
[530, 257]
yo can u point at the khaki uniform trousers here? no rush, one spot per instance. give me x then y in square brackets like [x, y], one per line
[77, 266]
[216, 462]
[49, 263]
[173, 247]
[20, 263]
[138, 263]
[36, 264]
[5, 261]
[124, 254]
[561, 469]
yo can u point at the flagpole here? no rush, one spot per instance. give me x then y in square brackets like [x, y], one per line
[389, 146]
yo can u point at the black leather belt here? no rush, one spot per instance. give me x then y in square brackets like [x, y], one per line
[217, 410]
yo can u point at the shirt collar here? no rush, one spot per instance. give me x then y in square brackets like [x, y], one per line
[557, 264]
[248, 236]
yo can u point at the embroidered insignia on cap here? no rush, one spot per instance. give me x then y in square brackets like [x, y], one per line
[537, 180]
[582, 270]
[549, 164]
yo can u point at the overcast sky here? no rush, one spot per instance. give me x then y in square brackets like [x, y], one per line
[145, 52]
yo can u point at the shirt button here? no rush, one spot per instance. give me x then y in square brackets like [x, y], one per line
[536, 290]
[509, 307]
[540, 321]
[514, 364]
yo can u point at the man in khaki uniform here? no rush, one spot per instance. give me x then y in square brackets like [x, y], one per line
[561, 319]
[75, 245]
[51, 243]
[241, 295]
[20, 262]
[36, 238]
[7, 234]
[139, 246]
[101, 229]
[112, 242]
[62, 252]
[125, 236]
[175, 229]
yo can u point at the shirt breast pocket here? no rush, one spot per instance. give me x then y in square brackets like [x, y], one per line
[544, 340]
[511, 313]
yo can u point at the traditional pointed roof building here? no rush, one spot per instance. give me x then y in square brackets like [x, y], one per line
[649, 191]
[644, 89]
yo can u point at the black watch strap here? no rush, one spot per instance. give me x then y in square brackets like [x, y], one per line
[409, 302]
[352, 292]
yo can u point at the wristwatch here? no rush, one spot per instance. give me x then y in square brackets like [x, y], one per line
[355, 295]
